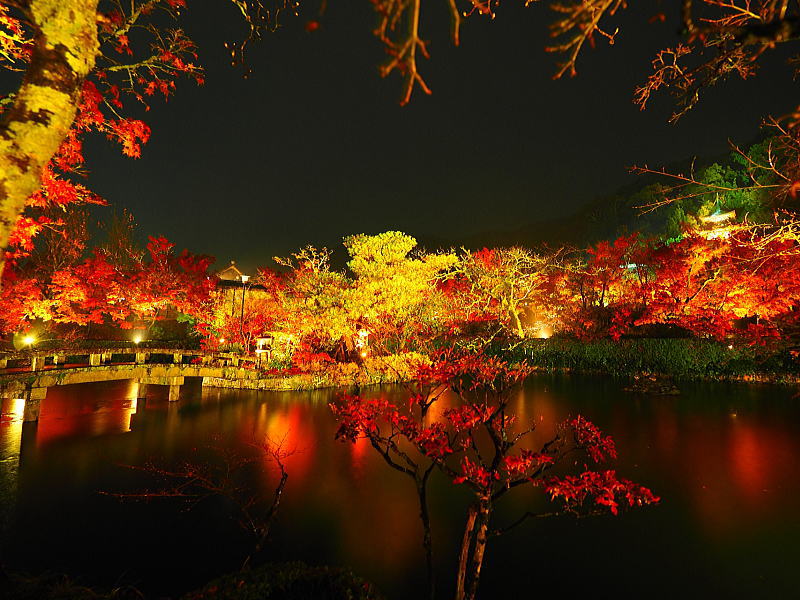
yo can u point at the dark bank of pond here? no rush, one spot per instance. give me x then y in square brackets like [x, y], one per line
[724, 457]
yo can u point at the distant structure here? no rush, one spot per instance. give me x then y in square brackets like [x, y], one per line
[718, 225]
[232, 285]
[235, 286]
[230, 273]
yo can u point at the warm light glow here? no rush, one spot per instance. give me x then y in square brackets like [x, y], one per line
[221, 340]
[245, 278]
[721, 225]
[137, 339]
[362, 340]
[719, 217]
[29, 340]
[717, 233]
[363, 354]
[542, 330]
[730, 346]
[17, 409]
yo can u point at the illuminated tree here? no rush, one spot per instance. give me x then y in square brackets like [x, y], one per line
[58, 247]
[314, 301]
[167, 282]
[709, 286]
[95, 290]
[59, 47]
[477, 441]
[81, 60]
[391, 297]
[598, 295]
[394, 291]
[505, 283]
[737, 281]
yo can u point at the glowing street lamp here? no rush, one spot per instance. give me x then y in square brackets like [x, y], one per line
[29, 340]
[137, 339]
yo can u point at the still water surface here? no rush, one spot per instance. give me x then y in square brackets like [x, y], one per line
[725, 458]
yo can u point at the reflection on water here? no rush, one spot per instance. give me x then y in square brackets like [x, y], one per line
[12, 410]
[723, 457]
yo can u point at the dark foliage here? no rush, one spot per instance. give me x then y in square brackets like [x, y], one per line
[288, 581]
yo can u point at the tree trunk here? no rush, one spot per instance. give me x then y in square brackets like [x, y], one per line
[517, 323]
[481, 536]
[463, 560]
[32, 129]
[427, 541]
[473, 548]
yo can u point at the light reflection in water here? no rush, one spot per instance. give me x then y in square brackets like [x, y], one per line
[75, 410]
[725, 480]
[11, 426]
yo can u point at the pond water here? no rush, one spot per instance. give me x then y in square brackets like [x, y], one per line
[725, 458]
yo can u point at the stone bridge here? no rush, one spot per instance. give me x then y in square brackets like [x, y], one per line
[28, 375]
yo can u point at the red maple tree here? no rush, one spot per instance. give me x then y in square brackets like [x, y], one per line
[478, 442]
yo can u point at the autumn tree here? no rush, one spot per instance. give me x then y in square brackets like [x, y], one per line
[394, 290]
[597, 293]
[94, 290]
[314, 300]
[477, 441]
[58, 246]
[507, 282]
[712, 287]
[167, 281]
[59, 47]
[82, 60]
[390, 296]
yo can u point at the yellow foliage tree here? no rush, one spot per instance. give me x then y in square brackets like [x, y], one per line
[394, 293]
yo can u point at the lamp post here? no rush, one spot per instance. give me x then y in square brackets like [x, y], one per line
[241, 317]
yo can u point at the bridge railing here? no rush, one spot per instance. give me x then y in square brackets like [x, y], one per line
[37, 360]
[27, 375]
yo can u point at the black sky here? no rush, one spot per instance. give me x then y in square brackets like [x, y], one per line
[313, 146]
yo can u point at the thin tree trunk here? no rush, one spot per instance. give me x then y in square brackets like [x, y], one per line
[473, 547]
[481, 536]
[33, 128]
[427, 541]
[463, 560]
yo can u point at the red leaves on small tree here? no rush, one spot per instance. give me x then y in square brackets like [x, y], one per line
[476, 443]
[602, 490]
[589, 438]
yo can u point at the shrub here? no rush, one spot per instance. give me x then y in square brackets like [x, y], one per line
[288, 581]
[394, 367]
[687, 358]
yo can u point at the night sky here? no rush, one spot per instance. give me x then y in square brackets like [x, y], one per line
[314, 146]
